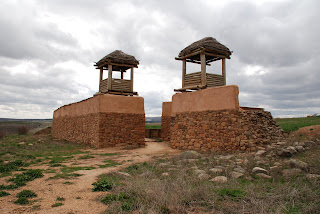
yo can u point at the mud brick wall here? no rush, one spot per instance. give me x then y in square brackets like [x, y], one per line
[101, 129]
[165, 128]
[223, 130]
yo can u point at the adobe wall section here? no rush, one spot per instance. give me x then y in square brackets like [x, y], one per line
[102, 121]
[166, 120]
[223, 130]
[217, 98]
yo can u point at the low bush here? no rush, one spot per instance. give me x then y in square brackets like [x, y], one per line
[22, 201]
[12, 166]
[30, 175]
[103, 185]
[22, 130]
[26, 194]
[4, 193]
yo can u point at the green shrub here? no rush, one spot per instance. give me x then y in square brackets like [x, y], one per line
[22, 130]
[12, 166]
[60, 199]
[26, 194]
[4, 193]
[22, 201]
[103, 185]
[232, 193]
[57, 204]
[30, 175]
[114, 197]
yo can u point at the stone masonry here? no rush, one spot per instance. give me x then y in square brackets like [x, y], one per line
[102, 121]
[223, 130]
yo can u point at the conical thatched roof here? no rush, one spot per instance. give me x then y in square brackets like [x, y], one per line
[118, 57]
[210, 45]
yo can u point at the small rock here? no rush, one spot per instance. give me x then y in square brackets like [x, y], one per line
[260, 152]
[163, 164]
[292, 149]
[291, 172]
[216, 170]
[299, 148]
[203, 176]
[239, 169]
[21, 143]
[270, 148]
[30, 144]
[299, 144]
[260, 148]
[281, 143]
[219, 179]
[225, 157]
[191, 160]
[261, 175]
[259, 170]
[277, 164]
[165, 174]
[190, 155]
[274, 168]
[199, 171]
[312, 143]
[312, 176]
[294, 163]
[235, 174]
[284, 153]
[194, 167]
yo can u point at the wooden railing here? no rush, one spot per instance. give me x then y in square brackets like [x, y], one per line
[194, 79]
[214, 80]
[117, 85]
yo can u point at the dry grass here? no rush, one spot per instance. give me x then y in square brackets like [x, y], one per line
[148, 190]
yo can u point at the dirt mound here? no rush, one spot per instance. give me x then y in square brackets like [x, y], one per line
[307, 133]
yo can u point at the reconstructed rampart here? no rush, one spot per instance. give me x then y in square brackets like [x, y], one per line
[104, 120]
[211, 120]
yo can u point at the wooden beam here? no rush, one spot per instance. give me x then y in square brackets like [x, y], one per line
[121, 74]
[203, 69]
[109, 77]
[184, 71]
[198, 51]
[224, 71]
[116, 64]
[131, 78]
[101, 77]
[216, 55]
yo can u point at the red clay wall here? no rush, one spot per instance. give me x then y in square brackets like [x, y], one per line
[224, 130]
[102, 121]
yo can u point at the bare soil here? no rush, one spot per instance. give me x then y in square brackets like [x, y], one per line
[78, 194]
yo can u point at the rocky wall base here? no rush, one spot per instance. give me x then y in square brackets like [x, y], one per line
[224, 130]
[165, 128]
[101, 129]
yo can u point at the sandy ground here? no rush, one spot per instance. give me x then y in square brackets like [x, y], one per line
[49, 190]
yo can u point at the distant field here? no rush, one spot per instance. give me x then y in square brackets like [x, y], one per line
[293, 124]
[153, 125]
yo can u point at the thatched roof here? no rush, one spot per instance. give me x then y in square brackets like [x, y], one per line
[118, 57]
[210, 45]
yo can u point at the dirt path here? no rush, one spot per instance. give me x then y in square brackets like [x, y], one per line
[78, 195]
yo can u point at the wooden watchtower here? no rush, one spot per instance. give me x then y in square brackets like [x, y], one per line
[203, 52]
[121, 62]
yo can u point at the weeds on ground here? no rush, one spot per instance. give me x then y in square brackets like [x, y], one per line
[23, 197]
[109, 163]
[109, 154]
[57, 204]
[60, 199]
[21, 179]
[147, 190]
[4, 193]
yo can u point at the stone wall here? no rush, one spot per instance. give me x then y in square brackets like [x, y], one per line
[101, 129]
[165, 128]
[102, 121]
[166, 120]
[223, 130]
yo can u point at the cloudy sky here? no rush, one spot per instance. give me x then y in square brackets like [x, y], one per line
[48, 48]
